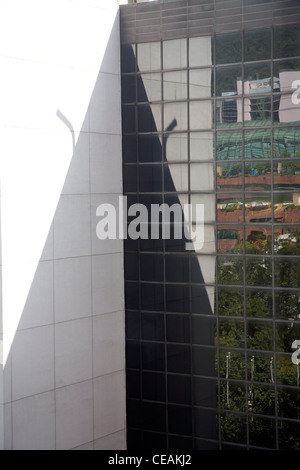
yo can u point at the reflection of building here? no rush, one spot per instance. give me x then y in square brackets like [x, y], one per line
[208, 114]
[209, 334]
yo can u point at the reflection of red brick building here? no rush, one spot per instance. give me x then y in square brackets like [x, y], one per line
[283, 213]
[259, 181]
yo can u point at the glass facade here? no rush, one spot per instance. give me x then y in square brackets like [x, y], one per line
[213, 334]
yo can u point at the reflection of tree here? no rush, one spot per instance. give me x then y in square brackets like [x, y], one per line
[259, 397]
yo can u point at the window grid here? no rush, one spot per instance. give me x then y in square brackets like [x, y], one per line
[219, 319]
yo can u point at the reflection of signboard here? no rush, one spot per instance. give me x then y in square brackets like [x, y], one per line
[289, 109]
[295, 359]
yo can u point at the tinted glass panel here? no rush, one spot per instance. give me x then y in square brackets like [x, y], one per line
[228, 81]
[286, 40]
[257, 45]
[228, 48]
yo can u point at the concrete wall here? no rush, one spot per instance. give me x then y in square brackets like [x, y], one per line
[62, 380]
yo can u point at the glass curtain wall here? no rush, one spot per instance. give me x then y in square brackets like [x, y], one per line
[213, 334]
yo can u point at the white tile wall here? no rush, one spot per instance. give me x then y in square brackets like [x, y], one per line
[72, 288]
[108, 284]
[108, 342]
[109, 404]
[73, 352]
[74, 415]
[72, 227]
[63, 382]
[33, 362]
[34, 422]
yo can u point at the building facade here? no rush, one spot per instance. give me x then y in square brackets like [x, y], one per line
[211, 116]
[167, 104]
[62, 353]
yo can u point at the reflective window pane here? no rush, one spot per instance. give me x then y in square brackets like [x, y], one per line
[257, 79]
[179, 177]
[230, 208]
[289, 435]
[286, 142]
[175, 116]
[257, 45]
[176, 147]
[233, 428]
[231, 302]
[177, 268]
[153, 356]
[258, 272]
[258, 239]
[152, 327]
[228, 81]
[151, 267]
[232, 364]
[201, 146]
[287, 272]
[128, 58]
[262, 432]
[149, 148]
[200, 51]
[230, 270]
[285, 111]
[229, 145]
[257, 143]
[288, 403]
[204, 362]
[230, 239]
[260, 367]
[208, 202]
[129, 119]
[129, 149]
[150, 178]
[179, 359]
[152, 297]
[257, 109]
[203, 269]
[128, 88]
[201, 176]
[228, 48]
[149, 118]
[286, 40]
[148, 56]
[286, 371]
[230, 175]
[149, 87]
[232, 396]
[201, 115]
[287, 175]
[231, 333]
[258, 207]
[201, 83]
[286, 334]
[259, 303]
[175, 54]
[260, 335]
[228, 113]
[178, 328]
[258, 175]
[287, 305]
[175, 85]
[285, 73]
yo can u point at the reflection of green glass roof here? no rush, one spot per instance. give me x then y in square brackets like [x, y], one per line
[257, 142]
